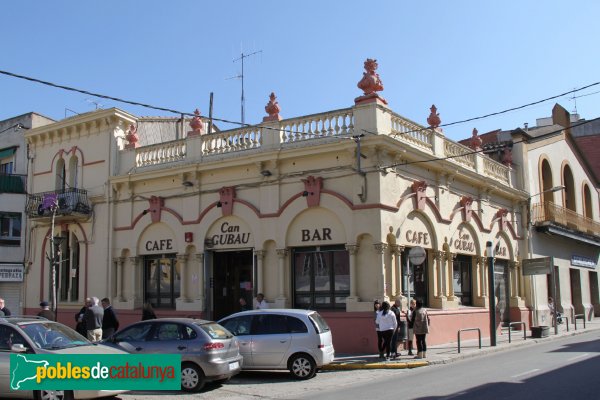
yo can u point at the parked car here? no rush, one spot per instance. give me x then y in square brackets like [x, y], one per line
[36, 335]
[208, 351]
[297, 340]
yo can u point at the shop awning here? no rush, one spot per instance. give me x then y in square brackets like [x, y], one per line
[5, 153]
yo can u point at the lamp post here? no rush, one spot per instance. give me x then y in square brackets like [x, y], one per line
[491, 287]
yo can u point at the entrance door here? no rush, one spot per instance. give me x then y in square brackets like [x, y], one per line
[417, 279]
[501, 291]
[232, 280]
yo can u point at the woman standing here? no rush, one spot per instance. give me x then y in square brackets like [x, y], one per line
[409, 321]
[420, 322]
[386, 320]
[377, 311]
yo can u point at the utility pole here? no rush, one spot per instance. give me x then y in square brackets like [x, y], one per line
[241, 58]
[52, 259]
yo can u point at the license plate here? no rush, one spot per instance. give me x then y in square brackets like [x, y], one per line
[234, 365]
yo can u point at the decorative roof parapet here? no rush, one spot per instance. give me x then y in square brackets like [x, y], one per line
[272, 108]
[196, 124]
[476, 141]
[434, 120]
[132, 137]
[370, 84]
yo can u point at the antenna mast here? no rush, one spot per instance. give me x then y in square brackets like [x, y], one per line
[242, 56]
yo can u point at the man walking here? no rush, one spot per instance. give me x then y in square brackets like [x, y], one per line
[46, 312]
[93, 320]
[110, 323]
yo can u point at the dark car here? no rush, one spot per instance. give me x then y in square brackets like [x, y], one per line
[208, 351]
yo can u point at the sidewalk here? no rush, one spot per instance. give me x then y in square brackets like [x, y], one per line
[447, 353]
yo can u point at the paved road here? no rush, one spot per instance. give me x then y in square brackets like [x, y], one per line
[564, 368]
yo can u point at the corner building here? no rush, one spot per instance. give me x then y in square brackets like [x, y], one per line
[317, 212]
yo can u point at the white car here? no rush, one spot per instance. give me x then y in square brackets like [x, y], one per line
[297, 340]
[36, 335]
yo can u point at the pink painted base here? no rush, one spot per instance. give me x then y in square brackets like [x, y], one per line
[353, 333]
[370, 98]
[270, 118]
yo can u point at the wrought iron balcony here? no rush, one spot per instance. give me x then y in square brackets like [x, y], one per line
[549, 213]
[71, 202]
[13, 183]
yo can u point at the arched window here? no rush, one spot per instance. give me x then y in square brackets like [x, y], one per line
[546, 173]
[569, 192]
[587, 202]
[60, 182]
[73, 172]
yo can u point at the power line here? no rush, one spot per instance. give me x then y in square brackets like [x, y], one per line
[135, 103]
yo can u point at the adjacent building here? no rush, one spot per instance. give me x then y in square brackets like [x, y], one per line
[13, 189]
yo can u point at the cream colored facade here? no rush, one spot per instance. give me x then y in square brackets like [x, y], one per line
[284, 208]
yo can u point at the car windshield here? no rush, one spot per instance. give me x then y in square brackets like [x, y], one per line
[319, 322]
[215, 331]
[51, 335]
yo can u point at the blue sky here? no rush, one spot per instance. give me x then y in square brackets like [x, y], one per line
[468, 57]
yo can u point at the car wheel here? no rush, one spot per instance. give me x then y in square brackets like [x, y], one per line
[302, 366]
[54, 395]
[192, 377]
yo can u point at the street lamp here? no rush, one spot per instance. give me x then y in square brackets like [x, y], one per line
[489, 246]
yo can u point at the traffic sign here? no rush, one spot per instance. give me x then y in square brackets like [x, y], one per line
[417, 255]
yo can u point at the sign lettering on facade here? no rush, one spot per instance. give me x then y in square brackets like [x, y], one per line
[11, 273]
[420, 238]
[582, 261]
[309, 235]
[537, 266]
[464, 243]
[159, 245]
[230, 235]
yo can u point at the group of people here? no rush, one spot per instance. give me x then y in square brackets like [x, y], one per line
[259, 303]
[97, 319]
[391, 329]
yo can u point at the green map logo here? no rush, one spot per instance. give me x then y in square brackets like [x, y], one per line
[95, 371]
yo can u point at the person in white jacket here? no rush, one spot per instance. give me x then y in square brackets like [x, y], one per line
[386, 320]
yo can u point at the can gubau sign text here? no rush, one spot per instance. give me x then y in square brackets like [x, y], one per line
[95, 371]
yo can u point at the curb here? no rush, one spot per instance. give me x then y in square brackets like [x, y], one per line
[353, 366]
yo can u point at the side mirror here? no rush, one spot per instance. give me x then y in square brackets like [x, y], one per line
[18, 348]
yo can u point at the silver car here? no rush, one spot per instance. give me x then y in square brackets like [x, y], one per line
[208, 351]
[297, 340]
[36, 335]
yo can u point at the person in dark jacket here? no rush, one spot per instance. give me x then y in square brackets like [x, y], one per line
[79, 321]
[3, 308]
[148, 312]
[46, 312]
[110, 322]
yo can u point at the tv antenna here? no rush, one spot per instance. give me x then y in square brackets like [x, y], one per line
[94, 102]
[241, 76]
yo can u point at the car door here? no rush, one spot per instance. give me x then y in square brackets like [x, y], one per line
[241, 327]
[270, 341]
[167, 338]
[8, 337]
[133, 338]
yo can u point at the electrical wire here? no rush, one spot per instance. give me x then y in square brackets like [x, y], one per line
[135, 103]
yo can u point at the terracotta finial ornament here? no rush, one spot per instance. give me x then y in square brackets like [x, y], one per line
[370, 83]
[476, 141]
[132, 138]
[434, 120]
[507, 156]
[196, 124]
[272, 108]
